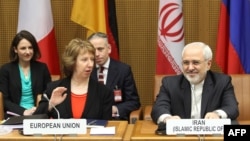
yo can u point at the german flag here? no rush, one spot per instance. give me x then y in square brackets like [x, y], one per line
[98, 16]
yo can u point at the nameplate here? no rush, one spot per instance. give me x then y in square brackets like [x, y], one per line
[54, 126]
[196, 126]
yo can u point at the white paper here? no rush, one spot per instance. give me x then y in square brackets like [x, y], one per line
[102, 131]
[5, 130]
[18, 126]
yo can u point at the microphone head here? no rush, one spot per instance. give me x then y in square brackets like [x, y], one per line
[45, 96]
[161, 130]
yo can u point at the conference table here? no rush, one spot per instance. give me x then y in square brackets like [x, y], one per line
[120, 126]
[145, 130]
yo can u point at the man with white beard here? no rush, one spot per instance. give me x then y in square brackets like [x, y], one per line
[196, 93]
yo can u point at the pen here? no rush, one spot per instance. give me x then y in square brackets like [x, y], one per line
[92, 122]
[11, 113]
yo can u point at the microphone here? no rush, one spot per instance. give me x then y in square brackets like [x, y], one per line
[46, 97]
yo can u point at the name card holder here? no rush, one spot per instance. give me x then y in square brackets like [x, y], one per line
[182, 127]
[54, 126]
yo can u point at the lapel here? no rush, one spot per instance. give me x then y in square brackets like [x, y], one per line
[94, 74]
[33, 70]
[206, 94]
[91, 95]
[16, 75]
[67, 108]
[112, 74]
[186, 95]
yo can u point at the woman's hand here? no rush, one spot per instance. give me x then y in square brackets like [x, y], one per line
[29, 111]
[58, 96]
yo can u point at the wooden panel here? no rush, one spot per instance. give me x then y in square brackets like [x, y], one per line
[137, 25]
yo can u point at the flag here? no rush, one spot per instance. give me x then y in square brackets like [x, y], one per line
[98, 16]
[170, 40]
[233, 42]
[35, 16]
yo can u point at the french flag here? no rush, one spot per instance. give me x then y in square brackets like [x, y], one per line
[35, 16]
[233, 42]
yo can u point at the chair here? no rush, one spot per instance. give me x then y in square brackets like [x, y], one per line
[1, 107]
[157, 85]
[135, 115]
[241, 83]
[55, 77]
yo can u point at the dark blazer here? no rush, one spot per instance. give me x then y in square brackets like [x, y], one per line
[98, 104]
[175, 96]
[11, 87]
[121, 76]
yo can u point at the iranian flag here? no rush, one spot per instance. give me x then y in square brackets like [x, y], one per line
[35, 16]
[170, 41]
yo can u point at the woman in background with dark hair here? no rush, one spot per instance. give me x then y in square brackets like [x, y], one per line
[23, 77]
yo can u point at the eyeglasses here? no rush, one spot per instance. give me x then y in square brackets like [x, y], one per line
[193, 62]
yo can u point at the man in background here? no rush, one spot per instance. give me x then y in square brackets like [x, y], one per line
[115, 75]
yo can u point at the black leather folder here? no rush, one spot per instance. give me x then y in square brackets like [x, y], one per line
[16, 120]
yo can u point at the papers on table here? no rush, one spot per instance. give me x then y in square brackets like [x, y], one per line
[94, 123]
[103, 131]
[18, 126]
[4, 130]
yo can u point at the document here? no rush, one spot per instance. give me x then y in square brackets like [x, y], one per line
[94, 123]
[103, 131]
[4, 130]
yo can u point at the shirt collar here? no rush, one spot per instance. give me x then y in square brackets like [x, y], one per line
[106, 64]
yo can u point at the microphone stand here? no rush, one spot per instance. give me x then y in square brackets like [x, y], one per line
[46, 97]
[54, 107]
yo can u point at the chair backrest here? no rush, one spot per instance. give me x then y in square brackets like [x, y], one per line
[1, 107]
[55, 77]
[157, 84]
[241, 83]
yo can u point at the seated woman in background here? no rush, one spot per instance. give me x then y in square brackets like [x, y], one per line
[77, 95]
[23, 77]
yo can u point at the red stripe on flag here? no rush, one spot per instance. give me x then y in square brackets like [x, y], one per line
[98, 16]
[111, 22]
[49, 52]
[226, 56]
[163, 64]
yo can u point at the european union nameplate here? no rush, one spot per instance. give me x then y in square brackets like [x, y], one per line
[54, 126]
[196, 126]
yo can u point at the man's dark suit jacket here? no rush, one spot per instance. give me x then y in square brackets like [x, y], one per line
[121, 76]
[175, 96]
[11, 87]
[98, 104]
